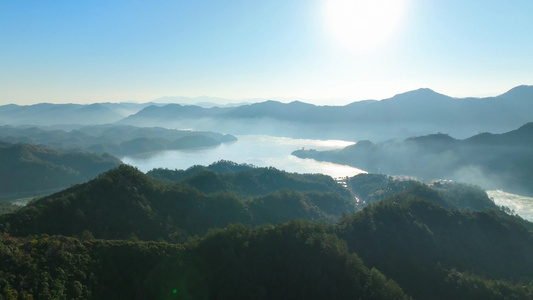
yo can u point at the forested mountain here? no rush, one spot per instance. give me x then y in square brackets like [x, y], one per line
[409, 114]
[493, 161]
[222, 167]
[175, 204]
[246, 180]
[432, 240]
[28, 170]
[124, 202]
[290, 261]
[372, 188]
[118, 140]
[434, 253]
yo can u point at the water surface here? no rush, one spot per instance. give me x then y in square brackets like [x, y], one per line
[258, 150]
[266, 151]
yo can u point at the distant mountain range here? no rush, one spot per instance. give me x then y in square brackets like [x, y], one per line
[413, 113]
[493, 161]
[48, 114]
[206, 101]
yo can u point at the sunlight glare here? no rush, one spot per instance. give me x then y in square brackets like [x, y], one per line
[363, 25]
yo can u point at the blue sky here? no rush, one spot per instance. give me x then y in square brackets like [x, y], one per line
[112, 51]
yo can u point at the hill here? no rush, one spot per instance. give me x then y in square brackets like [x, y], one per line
[28, 170]
[289, 261]
[246, 180]
[434, 253]
[124, 202]
[493, 161]
[115, 139]
[415, 240]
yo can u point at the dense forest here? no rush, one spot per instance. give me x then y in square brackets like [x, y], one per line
[372, 188]
[493, 161]
[115, 236]
[29, 170]
[293, 260]
[124, 203]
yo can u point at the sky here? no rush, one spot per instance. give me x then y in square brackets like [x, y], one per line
[326, 52]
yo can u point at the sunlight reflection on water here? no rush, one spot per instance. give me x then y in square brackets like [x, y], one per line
[258, 150]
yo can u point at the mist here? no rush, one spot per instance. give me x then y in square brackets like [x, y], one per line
[489, 161]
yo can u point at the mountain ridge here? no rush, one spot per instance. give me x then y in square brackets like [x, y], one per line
[493, 161]
[424, 244]
[417, 112]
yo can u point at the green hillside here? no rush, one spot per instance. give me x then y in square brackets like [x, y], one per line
[297, 260]
[113, 238]
[434, 253]
[124, 202]
[27, 170]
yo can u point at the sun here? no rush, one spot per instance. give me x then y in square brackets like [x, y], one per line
[363, 25]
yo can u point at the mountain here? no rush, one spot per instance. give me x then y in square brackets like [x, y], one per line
[127, 108]
[172, 116]
[48, 114]
[205, 101]
[115, 139]
[434, 253]
[124, 202]
[247, 181]
[58, 114]
[174, 204]
[28, 170]
[272, 109]
[493, 161]
[412, 113]
[417, 242]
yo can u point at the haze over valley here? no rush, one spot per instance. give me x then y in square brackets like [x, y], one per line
[318, 149]
[396, 136]
[413, 113]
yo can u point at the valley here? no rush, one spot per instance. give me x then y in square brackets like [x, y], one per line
[184, 213]
[266, 150]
